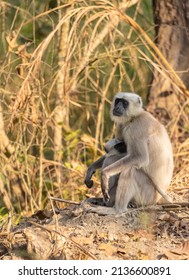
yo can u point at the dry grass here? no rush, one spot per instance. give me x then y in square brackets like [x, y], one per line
[105, 50]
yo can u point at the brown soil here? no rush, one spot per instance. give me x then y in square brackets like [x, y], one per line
[72, 233]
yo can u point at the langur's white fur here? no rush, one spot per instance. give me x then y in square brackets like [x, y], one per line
[147, 167]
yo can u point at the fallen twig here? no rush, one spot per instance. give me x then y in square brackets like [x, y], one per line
[64, 200]
[175, 205]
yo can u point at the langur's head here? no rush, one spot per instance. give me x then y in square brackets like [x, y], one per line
[125, 106]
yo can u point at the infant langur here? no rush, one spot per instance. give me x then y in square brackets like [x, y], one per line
[115, 150]
[145, 171]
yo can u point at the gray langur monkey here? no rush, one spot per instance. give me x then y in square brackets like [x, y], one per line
[145, 172]
[115, 150]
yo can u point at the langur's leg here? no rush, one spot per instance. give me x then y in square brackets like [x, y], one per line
[134, 185]
[149, 193]
[126, 191]
[145, 193]
[124, 194]
[113, 182]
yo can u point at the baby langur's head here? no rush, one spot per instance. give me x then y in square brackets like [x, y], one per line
[125, 106]
[115, 146]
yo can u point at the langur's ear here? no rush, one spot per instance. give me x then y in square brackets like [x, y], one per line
[139, 100]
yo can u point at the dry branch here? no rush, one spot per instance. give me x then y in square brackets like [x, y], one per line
[64, 200]
[85, 251]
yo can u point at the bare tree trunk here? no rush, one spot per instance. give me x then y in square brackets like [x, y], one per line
[171, 19]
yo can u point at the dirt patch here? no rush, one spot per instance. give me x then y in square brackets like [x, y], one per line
[72, 233]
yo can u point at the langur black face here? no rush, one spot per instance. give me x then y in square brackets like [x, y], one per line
[125, 106]
[120, 106]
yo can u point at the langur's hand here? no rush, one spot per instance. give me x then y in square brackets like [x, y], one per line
[88, 182]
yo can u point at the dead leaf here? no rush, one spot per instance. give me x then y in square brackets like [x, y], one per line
[185, 246]
[83, 240]
[108, 248]
[164, 217]
[176, 255]
[102, 235]
[143, 235]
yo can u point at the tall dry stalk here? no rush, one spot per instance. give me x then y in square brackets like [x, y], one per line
[100, 115]
[61, 113]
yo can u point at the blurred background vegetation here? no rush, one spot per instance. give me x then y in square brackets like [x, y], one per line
[61, 64]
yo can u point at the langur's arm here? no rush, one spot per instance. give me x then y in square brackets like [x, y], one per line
[137, 157]
[91, 170]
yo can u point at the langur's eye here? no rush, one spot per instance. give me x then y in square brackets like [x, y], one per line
[116, 101]
[121, 101]
[125, 103]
